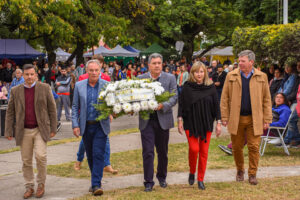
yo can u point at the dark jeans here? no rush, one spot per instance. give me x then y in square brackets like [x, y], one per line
[152, 135]
[292, 132]
[81, 151]
[94, 140]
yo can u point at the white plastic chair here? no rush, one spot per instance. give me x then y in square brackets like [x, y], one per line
[281, 132]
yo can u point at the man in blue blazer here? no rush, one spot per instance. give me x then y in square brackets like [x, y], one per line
[155, 131]
[94, 133]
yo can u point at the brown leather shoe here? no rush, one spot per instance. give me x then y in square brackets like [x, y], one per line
[240, 176]
[77, 165]
[28, 193]
[253, 180]
[40, 191]
[109, 169]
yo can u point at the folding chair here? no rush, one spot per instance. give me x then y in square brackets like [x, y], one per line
[281, 132]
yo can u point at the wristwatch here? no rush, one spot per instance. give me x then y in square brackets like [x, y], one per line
[180, 119]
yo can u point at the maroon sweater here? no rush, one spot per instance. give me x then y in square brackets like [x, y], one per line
[30, 118]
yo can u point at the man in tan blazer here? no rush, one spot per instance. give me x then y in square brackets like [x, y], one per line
[246, 108]
[31, 115]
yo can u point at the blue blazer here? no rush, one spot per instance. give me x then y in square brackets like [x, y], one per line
[79, 108]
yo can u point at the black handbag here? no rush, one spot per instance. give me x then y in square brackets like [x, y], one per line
[275, 116]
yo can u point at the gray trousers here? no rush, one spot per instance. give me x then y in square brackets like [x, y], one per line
[64, 101]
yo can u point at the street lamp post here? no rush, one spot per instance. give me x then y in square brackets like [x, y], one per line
[285, 11]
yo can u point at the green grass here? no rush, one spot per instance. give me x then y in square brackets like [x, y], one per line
[286, 188]
[74, 139]
[130, 162]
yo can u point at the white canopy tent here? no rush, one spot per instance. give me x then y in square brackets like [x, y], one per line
[61, 55]
[100, 50]
[119, 51]
[227, 51]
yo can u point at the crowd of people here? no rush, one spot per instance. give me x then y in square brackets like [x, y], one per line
[235, 95]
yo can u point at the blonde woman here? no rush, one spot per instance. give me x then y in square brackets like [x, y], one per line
[197, 111]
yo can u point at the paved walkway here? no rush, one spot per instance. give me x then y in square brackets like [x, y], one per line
[57, 188]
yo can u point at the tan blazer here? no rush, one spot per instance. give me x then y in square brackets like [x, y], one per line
[260, 101]
[45, 111]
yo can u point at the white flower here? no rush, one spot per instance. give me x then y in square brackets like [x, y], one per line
[144, 105]
[152, 104]
[127, 107]
[136, 107]
[111, 87]
[117, 108]
[102, 94]
[158, 90]
[110, 99]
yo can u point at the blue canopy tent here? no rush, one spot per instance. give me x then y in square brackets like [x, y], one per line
[130, 48]
[17, 49]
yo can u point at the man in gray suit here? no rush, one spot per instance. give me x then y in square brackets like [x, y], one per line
[155, 131]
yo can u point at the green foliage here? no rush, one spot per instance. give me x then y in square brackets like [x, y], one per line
[267, 11]
[272, 42]
[183, 20]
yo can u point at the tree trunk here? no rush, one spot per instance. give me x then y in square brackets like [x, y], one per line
[50, 50]
[79, 52]
[188, 49]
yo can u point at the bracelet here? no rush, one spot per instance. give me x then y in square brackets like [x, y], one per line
[219, 122]
[180, 119]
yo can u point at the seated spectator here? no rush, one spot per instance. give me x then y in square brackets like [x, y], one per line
[288, 80]
[276, 82]
[281, 113]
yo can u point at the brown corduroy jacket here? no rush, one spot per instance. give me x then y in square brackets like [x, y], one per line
[45, 111]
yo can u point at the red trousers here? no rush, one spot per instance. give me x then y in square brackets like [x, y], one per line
[198, 146]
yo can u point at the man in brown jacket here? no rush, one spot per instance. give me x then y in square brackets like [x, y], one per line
[247, 110]
[31, 115]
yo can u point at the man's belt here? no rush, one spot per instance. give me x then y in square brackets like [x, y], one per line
[91, 122]
[64, 93]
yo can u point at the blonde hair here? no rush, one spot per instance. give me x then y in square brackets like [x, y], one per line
[196, 67]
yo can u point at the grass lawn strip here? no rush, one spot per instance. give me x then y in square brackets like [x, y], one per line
[130, 162]
[74, 139]
[286, 188]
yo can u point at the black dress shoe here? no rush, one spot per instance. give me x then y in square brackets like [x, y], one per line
[191, 179]
[163, 184]
[201, 185]
[97, 191]
[148, 188]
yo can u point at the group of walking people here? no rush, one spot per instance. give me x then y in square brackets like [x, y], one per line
[245, 108]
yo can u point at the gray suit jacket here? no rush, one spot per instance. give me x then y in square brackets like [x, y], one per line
[165, 116]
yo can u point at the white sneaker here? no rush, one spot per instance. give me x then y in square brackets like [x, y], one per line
[275, 141]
